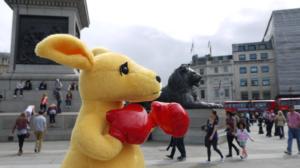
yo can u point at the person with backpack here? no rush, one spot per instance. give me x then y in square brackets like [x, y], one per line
[280, 122]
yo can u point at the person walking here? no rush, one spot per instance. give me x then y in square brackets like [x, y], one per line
[21, 125]
[211, 137]
[58, 98]
[270, 116]
[171, 143]
[44, 102]
[29, 112]
[260, 120]
[39, 127]
[52, 111]
[231, 125]
[242, 137]
[293, 118]
[69, 98]
[58, 84]
[280, 122]
[179, 144]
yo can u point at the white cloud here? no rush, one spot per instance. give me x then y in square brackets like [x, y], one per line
[158, 33]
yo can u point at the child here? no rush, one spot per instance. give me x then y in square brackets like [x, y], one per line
[242, 137]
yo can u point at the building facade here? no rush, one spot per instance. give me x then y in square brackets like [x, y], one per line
[283, 31]
[254, 76]
[217, 77]
[4, 62]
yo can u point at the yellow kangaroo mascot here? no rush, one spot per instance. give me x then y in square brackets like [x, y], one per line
[106, 80]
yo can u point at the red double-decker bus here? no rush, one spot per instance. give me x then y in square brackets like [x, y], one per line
[284, 103]
[250, 106]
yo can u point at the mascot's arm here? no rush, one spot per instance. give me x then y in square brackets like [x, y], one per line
[91, 140]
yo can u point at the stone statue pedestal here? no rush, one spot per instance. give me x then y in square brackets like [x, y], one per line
[32, 21]
[195, 135]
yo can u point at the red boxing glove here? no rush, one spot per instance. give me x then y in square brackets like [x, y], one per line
[130, 124]
[170, 117]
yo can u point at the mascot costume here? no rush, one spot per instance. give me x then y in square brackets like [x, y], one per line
[107, 133]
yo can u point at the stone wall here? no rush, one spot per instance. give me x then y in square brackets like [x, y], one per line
[62, 130]
[195, 135]
[66, 121]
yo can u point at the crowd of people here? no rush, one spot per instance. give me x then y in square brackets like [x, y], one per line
[31, 122]
[238, 132]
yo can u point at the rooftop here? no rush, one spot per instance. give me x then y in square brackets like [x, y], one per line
[253, 46]
[4, 54]
[203, 59]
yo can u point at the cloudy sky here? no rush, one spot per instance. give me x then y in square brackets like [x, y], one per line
[158, 33]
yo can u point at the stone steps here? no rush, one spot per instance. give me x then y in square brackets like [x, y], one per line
[32, 97]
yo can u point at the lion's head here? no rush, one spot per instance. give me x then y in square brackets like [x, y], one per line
[183, 78]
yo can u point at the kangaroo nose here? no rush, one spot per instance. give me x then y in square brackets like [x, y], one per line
[158, 79]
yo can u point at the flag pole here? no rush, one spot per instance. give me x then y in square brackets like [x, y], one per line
[209, 47]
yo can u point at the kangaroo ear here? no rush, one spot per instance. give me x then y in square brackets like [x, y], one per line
[67, 50]
[99, 50]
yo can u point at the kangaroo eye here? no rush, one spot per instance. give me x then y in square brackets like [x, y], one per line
[124, 69]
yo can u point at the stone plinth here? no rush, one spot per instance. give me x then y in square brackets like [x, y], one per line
[32, 21]
[195, 135]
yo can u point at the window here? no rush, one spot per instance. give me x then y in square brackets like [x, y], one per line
[216, 70]
[243, 82]
[202, 94]
[243, 70]
[251, 47]
[225, 68]
[217, 92]
[244, 95]
[265, 69]
[253, 69]
[201, 82]
[242, 57]
[266, 82]
[201, 71]
[253, 57]
[264, 56]
[226, 92]
[241, 48]
[266, 95]
[254, 82]
[262, 46]
[255, 95]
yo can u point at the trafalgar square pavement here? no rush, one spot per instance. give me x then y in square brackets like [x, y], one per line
[263, 153]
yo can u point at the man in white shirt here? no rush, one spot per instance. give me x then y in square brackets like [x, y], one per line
[39, 126]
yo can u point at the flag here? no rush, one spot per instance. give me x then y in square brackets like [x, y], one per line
[192, 47]
[209, 47]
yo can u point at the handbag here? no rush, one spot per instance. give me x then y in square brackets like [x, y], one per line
[27, 135]
[10, 138]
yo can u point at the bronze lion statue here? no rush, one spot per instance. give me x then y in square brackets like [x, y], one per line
[180, 89]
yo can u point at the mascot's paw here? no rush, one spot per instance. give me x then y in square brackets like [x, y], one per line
[170, 117]
[130, 124]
